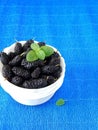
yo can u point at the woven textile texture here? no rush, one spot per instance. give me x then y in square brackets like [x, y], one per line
[71, 27]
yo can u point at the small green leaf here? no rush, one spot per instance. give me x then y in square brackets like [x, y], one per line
[31, 56]
[40, 54]
[35, 46]
[47, 50]
[60, 102]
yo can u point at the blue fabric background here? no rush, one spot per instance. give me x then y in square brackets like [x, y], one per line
[71, 27]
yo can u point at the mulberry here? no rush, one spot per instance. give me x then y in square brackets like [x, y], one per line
[50, 79]
[55, 55]
[21, 72]
[41, 62]
[36, 83]
[32, 65]
[7, 72]
[41, 43]
[16, 60]
[11, 55]
[4, 58]
[57, 73]
[27, 44]
[36, 73]
[28, 65]
[49, 69]
[17, 80]
[18, 48]
[54, 61]
[30, 41]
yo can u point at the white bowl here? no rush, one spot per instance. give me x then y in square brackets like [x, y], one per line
[31, 96]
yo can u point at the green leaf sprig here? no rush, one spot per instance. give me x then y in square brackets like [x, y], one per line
[60, 102]
[38, 52]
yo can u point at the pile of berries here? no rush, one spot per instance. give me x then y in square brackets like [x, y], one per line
[36, 74]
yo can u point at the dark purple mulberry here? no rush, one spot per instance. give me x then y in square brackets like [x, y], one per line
[7, 72]
[28, 65]
[55, 55]
[34, 64]
[50, 79]
[18, 48]
[41, 62]
[4, 58]
[16, 60]
[27, 44]
[17, 80]
[36, 73]
[21, 72]
[36, 83]
[54, 61]
[11, 55]
[49, 69]
[41, 43]
[57, 73]
[30, 41]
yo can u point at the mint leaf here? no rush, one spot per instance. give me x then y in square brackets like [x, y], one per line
[40, 54]
[35, 46]
[47, 50]
[31, 56]
[60, 102]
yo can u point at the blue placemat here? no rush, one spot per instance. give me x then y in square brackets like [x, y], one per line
[71, 27]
